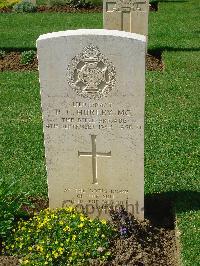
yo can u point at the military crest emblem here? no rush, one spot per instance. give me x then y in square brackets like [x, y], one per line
[90, 74]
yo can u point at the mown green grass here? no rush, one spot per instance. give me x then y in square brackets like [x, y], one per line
[20, 31]
[175, 27]
[172, 147]
[22, 148]
[172, 109]
[171, 139]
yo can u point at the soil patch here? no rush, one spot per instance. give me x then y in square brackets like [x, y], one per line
[153, 6]
[9, 261]
[69, 9]
[12, 62]
[61, 9]
[154, 62]
[5, 10]
[151, 242]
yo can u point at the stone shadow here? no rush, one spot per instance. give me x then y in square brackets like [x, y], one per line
[154, 5]
[161, 208]
[171, 1]
[158, 51]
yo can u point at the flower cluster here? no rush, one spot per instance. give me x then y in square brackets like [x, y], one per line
[126, 223]
[60, 237]
[8, 3]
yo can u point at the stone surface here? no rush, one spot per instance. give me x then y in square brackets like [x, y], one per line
[127, 15]
[92, 92]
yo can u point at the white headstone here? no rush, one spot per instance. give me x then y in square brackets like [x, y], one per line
[92, 92]
[126, 15]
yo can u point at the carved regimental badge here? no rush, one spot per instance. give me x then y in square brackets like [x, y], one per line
[91, 74]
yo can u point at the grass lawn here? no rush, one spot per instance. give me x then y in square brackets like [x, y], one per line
[172, 110]
[20, 31]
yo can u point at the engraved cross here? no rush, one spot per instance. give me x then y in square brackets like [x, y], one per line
[94, 154]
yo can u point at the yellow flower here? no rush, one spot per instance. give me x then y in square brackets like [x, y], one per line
[54, 216]
[67, 228]
[25, 262]
[80, 225]
[73, 237]
[55, 254]
[61, 222]
[41, 225]
[103, 221]
[39, 248]
[82, 218]
[60, 250]
[70, 209]
[30, 248]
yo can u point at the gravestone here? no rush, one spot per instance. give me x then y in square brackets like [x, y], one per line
[92, 93]
[126, 15]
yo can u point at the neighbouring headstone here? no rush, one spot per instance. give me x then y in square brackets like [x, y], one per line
[92, 92]
[126, 15]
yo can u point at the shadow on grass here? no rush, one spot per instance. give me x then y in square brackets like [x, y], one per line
[154, 4]
[160, 208]
[171, 1]
[158, 51]
[11, 49]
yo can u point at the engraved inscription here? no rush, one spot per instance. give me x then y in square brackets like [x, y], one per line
[110, 6]
[93, 115]
[90, 74]
[100, 200]
[122, 5]
[94, 154]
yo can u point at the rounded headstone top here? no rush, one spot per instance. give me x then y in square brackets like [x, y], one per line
[98, 32]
